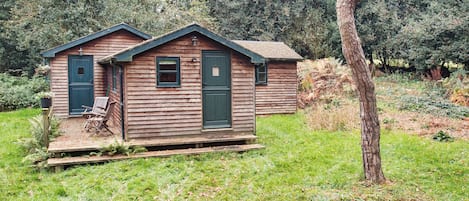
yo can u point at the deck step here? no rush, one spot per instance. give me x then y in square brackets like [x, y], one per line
[60, 162]
[161, 142]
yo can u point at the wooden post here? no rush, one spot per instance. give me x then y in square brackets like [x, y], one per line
[46, 130]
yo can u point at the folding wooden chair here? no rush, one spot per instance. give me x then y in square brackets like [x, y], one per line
[99, 108]
[99, 121]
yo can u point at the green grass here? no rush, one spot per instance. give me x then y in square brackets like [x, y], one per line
[297, 164]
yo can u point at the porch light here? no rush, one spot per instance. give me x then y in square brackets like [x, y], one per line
[194, 40]
[80, 51]
[194, 59]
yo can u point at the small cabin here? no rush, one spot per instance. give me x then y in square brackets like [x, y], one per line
[188, 82]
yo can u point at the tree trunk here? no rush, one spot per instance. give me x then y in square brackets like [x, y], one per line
[353, 53]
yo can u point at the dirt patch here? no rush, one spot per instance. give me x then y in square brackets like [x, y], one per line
[424, 124]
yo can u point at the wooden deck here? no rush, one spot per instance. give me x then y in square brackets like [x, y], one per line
[74, 138]
[77, 144]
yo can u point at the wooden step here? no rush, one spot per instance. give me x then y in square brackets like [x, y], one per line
[160, 142]
[60, 162]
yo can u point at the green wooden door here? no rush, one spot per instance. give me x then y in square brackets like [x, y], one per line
[216, 89]
[80, 82]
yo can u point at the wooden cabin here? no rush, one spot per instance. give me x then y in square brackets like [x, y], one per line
[189, 82]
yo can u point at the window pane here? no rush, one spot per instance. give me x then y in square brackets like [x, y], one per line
[167, 65]
[262, 77]
[261, 68]
[81, 70]
[167, 77]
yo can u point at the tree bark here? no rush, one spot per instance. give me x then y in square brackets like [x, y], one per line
[355, 57]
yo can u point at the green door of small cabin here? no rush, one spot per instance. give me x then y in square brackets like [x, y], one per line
[80, 82]
[216, 89]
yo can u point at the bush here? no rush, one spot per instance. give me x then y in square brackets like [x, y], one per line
[434, 102]
[36, 150]
[441, 136]
[322, 80]
[120, 148]
[457, 86]
[20, 92]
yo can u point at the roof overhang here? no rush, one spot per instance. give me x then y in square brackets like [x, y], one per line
[53, 51]
[128, 54]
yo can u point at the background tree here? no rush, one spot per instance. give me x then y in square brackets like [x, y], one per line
[306, 25]
[355, 57]
[36, 25]
[417, 33]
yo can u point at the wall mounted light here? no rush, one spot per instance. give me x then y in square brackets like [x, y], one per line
[194, 41]
[194, 59]
[80, 51]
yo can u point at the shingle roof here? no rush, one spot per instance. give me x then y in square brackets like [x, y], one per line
[51, 52]
[126, 55]
[270, 50]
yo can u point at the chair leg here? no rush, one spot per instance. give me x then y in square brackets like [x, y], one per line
[107, 128]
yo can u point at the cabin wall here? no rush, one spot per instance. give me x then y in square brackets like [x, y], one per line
[114, 95]
[99, 48]
[279, 95]
[153, 111]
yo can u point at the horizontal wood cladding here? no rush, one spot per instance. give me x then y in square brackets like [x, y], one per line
[279, 95]
[114, 96]
[99, 48]
[152, 111]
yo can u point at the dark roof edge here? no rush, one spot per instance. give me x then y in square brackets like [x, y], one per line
[122, 26]
[283, 59]
[127, 55]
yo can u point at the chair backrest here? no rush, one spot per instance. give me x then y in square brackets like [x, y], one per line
[109, 110]
[100, 104]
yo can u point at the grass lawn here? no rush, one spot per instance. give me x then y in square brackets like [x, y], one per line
[297, 164]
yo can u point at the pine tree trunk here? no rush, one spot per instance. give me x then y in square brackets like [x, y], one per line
[353, 53]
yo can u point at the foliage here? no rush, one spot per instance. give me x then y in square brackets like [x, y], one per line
[120, 148]
[297, 164]
[323, 80]
[307, 26]
[433, 103]
[457, 86]
[35, 148]
[405, 92]
[442, 136]
[422, 34]
[33, 25]
[425, 34]
[20, 92]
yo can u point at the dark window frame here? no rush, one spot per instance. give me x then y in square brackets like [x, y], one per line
[177, 83]
[258, 72]
[114, 78]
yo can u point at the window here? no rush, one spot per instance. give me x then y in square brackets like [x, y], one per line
[261, 74]
[81, 70]
[167, 72]
[114, 78]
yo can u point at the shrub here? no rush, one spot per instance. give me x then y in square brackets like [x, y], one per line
[433, 101]
[321, 80]
[457, 86]
[120, 148]
[20, 92]
[36, 149]
[441, 136]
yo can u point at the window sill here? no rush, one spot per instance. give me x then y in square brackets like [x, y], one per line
[261, 84]
[169, 86]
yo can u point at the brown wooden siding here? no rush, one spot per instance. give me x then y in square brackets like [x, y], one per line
[98, 48]
[152, 111]
[279, 95]
[114, 95]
